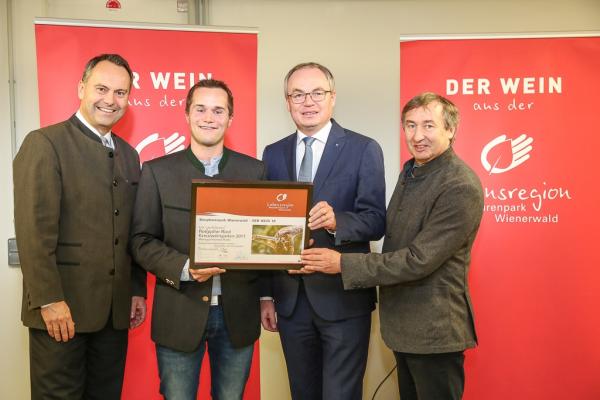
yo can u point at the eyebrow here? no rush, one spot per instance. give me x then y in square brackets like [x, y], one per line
[302, 91]
[414, 122]
[101, 85]
[214, 108]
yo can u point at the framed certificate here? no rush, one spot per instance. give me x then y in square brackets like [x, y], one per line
[249, 225]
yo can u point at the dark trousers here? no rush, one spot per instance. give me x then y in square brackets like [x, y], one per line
[326, 360]
[431, 376]
[89, 366]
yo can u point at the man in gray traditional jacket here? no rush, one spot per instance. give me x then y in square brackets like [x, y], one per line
[432, 220]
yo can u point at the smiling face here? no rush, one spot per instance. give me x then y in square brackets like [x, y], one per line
[103, 96]
[425, 132]
[310, 116]
[208, 118]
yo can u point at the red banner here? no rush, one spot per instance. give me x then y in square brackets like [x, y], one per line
[166, 63]
[534, 275]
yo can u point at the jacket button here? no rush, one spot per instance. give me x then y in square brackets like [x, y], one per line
[112, 272]
[115, 182]
[205, 299]
[117, 211]
[116, 241]
[111, 154]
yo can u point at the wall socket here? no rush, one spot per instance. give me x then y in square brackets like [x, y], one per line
[13, 253]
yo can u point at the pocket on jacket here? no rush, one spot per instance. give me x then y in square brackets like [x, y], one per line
[176, 208]
[68, 253]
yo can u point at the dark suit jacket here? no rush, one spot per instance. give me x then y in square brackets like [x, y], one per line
[350, 177]
[160, 244]
[73, 204]
[432, 220]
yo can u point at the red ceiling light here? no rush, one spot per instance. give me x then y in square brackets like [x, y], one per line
[113, 4]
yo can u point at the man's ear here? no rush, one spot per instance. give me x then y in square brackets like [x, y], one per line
[80, 89]
[452, 135]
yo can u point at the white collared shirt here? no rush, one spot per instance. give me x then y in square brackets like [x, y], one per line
[211, 168]
[108, 137]
[318, 147]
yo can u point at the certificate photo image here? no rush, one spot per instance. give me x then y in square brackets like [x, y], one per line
[277, 239]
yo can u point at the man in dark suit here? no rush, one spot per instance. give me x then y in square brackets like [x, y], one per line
[194, 308]
[432, 220]
[74, 188]
[325, 330]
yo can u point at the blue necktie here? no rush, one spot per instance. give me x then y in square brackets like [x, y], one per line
[305, 173]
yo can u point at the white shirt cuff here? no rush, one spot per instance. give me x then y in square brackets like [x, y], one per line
[185, 273]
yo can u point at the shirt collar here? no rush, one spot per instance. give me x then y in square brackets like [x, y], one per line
[91, 128]
[212, 161]
[223, 157]
[321, 135]
[414, 171]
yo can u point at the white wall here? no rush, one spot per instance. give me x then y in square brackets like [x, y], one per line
[14, 369]
[357, 40]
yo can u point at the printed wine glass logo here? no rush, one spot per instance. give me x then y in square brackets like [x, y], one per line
[503, 154]
[155, 146]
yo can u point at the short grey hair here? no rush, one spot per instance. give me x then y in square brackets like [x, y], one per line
[308, 65]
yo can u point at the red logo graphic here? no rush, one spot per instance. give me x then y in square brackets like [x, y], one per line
[155, 146]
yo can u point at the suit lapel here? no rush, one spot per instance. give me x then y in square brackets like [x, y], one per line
[84, 129]
[290, 156]
[333, 149]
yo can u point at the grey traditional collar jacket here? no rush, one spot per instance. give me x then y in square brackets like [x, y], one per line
[432, 220]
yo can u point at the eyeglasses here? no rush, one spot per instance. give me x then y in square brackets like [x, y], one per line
[315, 95]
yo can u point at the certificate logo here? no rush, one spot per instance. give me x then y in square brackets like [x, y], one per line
[281, 197]
[280, 203]
[502, 154]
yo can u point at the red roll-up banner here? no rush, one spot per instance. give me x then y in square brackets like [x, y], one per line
[167, 61]
[527, 131]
